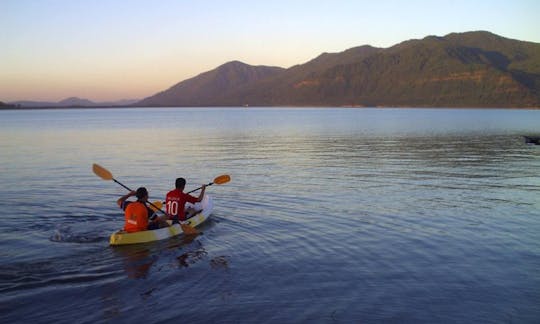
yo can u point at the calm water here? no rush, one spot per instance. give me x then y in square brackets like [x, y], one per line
[332, 216]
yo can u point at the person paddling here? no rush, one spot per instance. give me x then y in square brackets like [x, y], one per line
[137, 213]
[176, 200]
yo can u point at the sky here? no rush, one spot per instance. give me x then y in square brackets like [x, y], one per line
[106, 50]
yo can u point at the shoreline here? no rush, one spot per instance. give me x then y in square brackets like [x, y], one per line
[258, 107]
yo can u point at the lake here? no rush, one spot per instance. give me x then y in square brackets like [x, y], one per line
[332, 215]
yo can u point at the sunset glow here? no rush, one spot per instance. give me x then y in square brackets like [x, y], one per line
[111, 50]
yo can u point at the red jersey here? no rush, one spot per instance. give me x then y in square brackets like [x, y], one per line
[176, 202]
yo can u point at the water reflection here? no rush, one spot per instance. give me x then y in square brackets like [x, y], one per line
[191, 257]
[220, 262]
[139, 259]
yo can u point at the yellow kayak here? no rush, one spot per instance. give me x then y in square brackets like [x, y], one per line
[121, 237]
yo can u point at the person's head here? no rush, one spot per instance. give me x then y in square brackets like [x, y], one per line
[180, 183]
[142, 194]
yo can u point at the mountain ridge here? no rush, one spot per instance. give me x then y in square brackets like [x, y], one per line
[72, 102]
[194, 91]
[472, 69]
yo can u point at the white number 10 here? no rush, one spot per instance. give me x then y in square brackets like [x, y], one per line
[172, 208]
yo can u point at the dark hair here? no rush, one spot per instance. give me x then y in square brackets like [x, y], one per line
[142, 192]
[180, 183]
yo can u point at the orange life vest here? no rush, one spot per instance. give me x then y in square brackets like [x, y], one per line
[136, 216]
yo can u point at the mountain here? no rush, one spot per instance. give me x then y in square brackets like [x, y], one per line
[4, 105]
[472, 69]
[211, 88]
[75, 102]
[72, 102]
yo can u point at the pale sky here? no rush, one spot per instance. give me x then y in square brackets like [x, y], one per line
[130, 49]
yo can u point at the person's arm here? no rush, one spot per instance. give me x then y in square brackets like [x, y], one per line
[122, 199]
[201, 195]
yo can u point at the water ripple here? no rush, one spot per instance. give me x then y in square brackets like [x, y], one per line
[359, 215]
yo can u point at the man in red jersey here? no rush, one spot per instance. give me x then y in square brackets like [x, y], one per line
[176, 200]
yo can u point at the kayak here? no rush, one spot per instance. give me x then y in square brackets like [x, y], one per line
[205, 208]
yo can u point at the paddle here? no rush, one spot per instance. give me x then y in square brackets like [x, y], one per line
[107, 175]
[218, 180]
[156, 205]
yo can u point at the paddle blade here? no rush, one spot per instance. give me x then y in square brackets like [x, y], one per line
[156, 205]
[222, 179]
[102, 172]
[188, 230]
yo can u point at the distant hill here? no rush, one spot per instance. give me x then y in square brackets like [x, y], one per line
[72, 102]
[4, 105]
[473, 69]
[213, 87]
